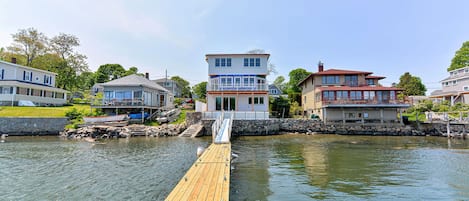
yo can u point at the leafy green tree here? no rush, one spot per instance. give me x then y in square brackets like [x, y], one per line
[109, 72]
[279, 107]
[30, 43]
[280, 83]
[200, 90]
[293, 90]
[67, 77]
[412, 85]
[461, 58]
[186, 89]
[86, 80]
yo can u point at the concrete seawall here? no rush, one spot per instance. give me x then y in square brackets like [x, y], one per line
[32, 126]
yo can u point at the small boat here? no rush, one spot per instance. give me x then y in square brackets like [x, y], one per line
[101, 119]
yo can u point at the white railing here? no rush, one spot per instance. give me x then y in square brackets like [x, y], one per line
[237, 115]
[234, 87]
[216, 126]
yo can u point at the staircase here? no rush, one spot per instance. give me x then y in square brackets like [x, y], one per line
[193, 131]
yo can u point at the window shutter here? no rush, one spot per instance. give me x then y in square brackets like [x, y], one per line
[50, 80]
[3, 74]
[45, 76]
[24, 75]
[31, 76]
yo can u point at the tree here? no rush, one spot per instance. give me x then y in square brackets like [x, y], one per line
[63, 44]
[412, 85]
[279, 107]
[461, 58]
[30, 43]
[293, 90]
[186, 89]
[86, 80]
[280, 83]
[109, 72]
[200, 90]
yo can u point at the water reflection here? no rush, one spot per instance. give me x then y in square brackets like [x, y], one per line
[329, 167]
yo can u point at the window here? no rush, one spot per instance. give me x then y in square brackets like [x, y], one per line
[342, 95]
[237, 81]
[370, 81]
[257, 100]
[251, 81]
[6, 90]
[258, 62]
[223, 62]
[246, 81]
[47, 79]
[355, 95]
[330, 79]
[228, 61]
[251, 61]
[454, 82]
[328, 95]
[246, 62]
[217, 62]
[392, 95]
[351, 80]
[218, 103]
[229, 81]
[466, 88]
[28, 76]
[223, 81]
[368, 95]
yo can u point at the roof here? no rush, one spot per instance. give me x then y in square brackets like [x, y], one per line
[363, 88]
[374, 77]
[27, 67]
[335, 72]
[134, 80]
[246, 54]
[31, 85]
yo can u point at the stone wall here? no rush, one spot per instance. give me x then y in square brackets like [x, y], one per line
[32, 126]
[309, 126]
[193, 117]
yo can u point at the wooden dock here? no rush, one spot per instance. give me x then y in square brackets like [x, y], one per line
[208, 178]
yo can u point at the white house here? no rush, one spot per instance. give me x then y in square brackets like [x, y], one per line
[237, 82]
[455, 87]
[22, 84]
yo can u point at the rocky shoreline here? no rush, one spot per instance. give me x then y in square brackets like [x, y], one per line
[106, 132]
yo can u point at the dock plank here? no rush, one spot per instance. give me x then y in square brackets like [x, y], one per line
[208, 178]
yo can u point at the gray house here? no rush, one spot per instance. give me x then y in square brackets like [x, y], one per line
[455, 88]
[274, 91]
[133, 93]
[171, 86]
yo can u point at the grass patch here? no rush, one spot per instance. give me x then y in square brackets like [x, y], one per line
[412, 116]
[181, 118]
[21, 111]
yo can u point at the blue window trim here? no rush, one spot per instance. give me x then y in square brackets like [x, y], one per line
[246, 62]
[217, 62]
[258, 61]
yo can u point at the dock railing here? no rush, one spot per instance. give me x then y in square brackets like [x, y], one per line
[216, 126]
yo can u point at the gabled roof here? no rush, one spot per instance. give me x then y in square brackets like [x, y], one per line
[363, 88]
[27, 67]
[134, 80]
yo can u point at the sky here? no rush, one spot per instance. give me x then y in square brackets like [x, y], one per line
[388, 37]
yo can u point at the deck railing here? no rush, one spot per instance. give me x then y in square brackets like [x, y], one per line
[118, 102]
[235, 87]
[237, 115]
[371, 102]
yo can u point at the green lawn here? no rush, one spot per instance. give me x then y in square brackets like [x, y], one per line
[21, 111]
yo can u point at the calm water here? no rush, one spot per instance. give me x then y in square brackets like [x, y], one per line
[286, 167]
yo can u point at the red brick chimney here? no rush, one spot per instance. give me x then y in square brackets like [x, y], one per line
[13, 60]
[147, 75]
[320, 66]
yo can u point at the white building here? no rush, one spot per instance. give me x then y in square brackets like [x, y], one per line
[237, 82]
[22, 84]
[455, 88]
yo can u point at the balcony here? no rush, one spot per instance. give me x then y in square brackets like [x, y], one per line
[350, 102]
[118, 102]
[255, 87]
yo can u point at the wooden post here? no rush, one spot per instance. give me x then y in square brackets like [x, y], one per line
[400, 116]
[381, 115]
[343, 116]
[448, 129]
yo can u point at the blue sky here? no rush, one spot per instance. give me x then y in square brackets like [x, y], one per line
[385, 37]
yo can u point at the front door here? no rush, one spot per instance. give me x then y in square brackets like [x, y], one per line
[229, 103]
